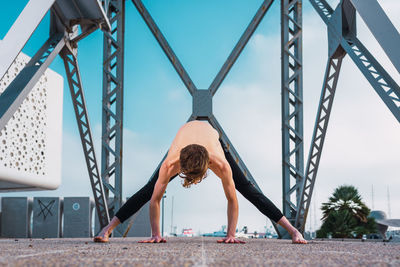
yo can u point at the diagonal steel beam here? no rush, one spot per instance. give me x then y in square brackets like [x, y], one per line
[21, 86]
[380, 80]
[381, 27]
[324, 10]
[21, 31]
[318, 138]
[239, 46]
[78, 99]
[165, 46]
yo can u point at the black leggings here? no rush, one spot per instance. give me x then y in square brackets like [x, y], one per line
[242, 184]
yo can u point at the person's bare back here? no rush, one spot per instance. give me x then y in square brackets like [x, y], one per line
[196, 132]
[200, 133]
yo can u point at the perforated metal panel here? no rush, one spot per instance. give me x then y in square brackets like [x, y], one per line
[30, 144]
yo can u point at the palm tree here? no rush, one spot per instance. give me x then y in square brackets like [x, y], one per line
[346, 197]
[345, 214]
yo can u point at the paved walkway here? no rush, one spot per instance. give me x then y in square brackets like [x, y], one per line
[197, 251]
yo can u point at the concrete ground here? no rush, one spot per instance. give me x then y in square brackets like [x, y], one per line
[196, 251]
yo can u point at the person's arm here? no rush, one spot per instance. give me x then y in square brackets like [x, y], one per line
[230, 193]
[166, 171]
[224, 171]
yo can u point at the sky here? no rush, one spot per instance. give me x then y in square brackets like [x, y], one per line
[362, 143]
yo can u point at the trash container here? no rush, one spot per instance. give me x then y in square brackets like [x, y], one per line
[46, 217]
[15, 218]
[77, 217]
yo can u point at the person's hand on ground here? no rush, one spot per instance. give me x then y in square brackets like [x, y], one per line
[154, 239]
[231, 240]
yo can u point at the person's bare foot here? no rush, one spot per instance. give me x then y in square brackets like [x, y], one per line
[297, 238]
[102, 237]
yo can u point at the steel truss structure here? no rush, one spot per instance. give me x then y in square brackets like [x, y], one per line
[342, 39]
[69, 56]
[89, 15]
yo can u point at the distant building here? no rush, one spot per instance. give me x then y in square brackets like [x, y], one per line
[383, 223]
[188, 232]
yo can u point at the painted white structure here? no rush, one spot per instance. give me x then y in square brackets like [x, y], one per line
[31, 142]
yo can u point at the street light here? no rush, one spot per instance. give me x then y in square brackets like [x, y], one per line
[162, 214]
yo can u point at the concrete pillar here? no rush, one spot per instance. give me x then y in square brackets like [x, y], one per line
[46, 217]
[15, 219]
[77, 217]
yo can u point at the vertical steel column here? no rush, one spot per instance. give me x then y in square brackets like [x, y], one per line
[69, 57]
[112, 103]
[292, 105]
[317, 143]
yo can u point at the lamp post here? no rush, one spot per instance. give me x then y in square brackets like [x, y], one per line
[162, 214]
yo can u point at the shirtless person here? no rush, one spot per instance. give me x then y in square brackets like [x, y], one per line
[195, 149]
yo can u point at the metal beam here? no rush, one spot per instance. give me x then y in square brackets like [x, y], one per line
[381, 27]
[78, 99]
[239, 46]
[318, 138]
[165, 46]
[13, 96]
[86, 13]
[380, 80]
[21, 31]
[112, 104]
[292, 106]
[376, 75]
[323, 9]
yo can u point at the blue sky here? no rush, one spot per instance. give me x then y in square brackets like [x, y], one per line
[202, 34]
[362, 143]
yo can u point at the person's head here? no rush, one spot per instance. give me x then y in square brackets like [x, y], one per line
[194, 164]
